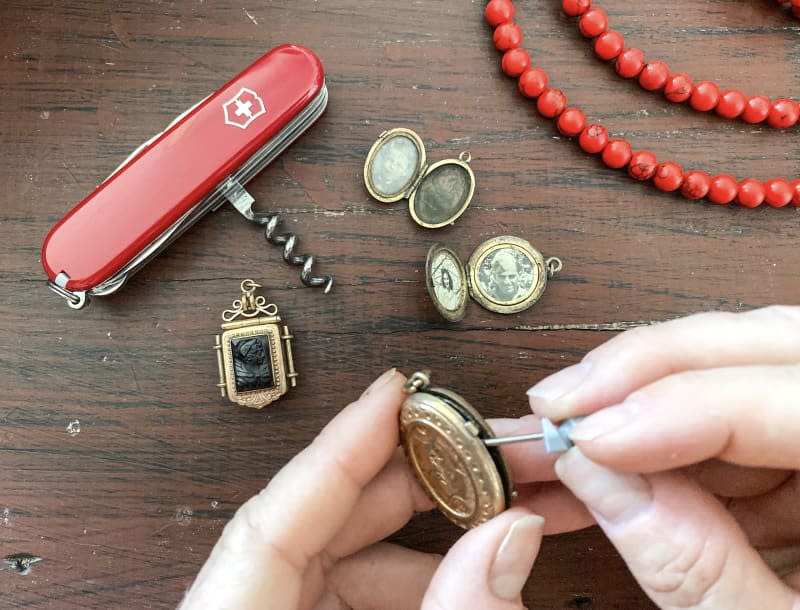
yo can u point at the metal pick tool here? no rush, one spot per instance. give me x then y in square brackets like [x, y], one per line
[555, 437]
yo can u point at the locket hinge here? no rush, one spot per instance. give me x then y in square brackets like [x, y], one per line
[417, 181]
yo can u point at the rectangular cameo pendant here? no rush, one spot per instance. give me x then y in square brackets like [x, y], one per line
[254, 352]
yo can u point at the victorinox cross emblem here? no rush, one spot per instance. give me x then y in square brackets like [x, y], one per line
[243, 108]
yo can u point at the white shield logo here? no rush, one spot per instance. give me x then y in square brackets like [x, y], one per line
[243, 108]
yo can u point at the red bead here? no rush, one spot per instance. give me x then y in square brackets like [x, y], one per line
[751, 193]
[507, 36]
[669, 176]
[705, 96]
[532, 82]
[571, 122]
[678, 88]
[777, 192]
[573, 8]
[723, 189]
[630, 63]
[617, 153]
[756, 109]
[796, 193]
[654, 75]
[609, 45]
[783, 113]
[551, 103]
[593, 22]
[515, 62]
[499, 11]
[642, 165]
[731, 104]
[695, 185]
[593, 139]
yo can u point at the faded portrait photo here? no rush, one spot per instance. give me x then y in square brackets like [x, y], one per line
[394, 165]
[447, 285]
[507, 275]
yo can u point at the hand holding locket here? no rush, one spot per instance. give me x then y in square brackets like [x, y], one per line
[455, 455]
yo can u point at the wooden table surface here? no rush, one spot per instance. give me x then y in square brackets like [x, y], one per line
[124, 511]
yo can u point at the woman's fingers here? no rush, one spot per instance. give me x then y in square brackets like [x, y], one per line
[383, 575]
[536, 485]
[681, 545]
[561, 510]
[273, 550]
[528, 461]
[609, 373]
[386, 504]
[488, 566]
[746, 415]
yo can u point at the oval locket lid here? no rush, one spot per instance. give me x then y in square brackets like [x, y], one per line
[437, 194]
[447, 282]
[443, 438]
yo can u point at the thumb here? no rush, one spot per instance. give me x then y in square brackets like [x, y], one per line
[488, 566]
[682, 546]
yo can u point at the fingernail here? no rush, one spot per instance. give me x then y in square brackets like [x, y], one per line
[551, 388]
[380, 381]
[507, 426]
[609, 495]
[514, 559]
[603, 422]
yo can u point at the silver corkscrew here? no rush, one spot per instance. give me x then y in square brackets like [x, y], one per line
[288, 241]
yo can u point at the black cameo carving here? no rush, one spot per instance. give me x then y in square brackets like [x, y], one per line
[252, 365]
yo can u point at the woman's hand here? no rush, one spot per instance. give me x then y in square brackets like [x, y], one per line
[310, 539]
[691, 461]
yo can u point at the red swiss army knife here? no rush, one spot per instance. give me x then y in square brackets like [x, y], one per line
[202, 160]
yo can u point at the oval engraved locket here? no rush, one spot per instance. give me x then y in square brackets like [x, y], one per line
[437, 194]
[455, 455]
[443, 437]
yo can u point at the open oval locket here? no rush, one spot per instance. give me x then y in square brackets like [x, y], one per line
[437, 194]
[505, 274]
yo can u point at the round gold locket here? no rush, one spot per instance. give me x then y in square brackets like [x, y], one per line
[437, 194]
[505, 274]
[444, 440]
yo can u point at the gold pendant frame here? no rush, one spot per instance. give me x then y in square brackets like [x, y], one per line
[264, 372]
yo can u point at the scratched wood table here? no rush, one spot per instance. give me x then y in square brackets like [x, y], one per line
[120, 461]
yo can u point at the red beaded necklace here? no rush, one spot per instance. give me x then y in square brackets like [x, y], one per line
[653, 76]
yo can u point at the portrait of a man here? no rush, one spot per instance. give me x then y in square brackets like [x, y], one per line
[506, 275]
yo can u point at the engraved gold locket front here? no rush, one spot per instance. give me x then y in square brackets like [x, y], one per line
[455, 455]
[443, 437]
[437, 194]
[505, 274]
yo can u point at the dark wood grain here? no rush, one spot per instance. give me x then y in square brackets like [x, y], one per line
[128, 509]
